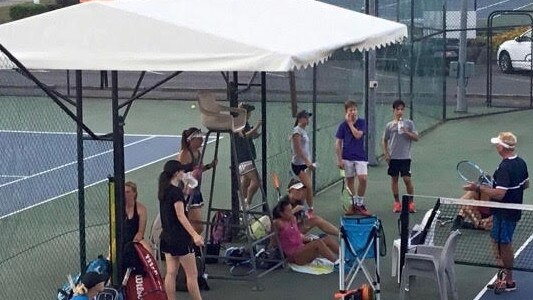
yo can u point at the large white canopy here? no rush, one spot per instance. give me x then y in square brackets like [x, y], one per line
[199, 35]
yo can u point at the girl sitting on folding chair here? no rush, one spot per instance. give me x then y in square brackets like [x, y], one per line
[299, 249]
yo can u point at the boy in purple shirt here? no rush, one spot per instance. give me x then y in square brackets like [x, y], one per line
[351, 155]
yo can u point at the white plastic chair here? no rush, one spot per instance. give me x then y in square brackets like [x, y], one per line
[216, 117]
[395, 256]
[433, 262]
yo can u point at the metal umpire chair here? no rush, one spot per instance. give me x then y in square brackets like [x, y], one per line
[223, 119]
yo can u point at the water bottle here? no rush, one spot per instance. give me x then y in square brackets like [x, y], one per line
[400, 126]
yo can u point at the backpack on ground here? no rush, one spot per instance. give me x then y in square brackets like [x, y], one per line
[220, 233]
[260, 227]
[109, 293]
[220, 228]
[100, 265]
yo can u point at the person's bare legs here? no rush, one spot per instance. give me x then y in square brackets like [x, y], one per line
[408, 185]
[195, 217]
[305, 178]
[350, 183]
[245, 183]
[188, 262]
[173, 265]
[361, 188]
[312, 250]
[253, 185]
[321, 223]
[504, 258]
[332, 243]
[394, 188]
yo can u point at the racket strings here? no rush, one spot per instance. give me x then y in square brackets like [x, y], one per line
[469, 173]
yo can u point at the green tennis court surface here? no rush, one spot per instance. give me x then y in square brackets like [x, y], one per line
[434, 160]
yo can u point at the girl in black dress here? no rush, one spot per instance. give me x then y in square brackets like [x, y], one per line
[178, 237]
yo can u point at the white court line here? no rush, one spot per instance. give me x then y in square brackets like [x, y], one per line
[519, 8]
[12, 176]
[98, 182]
[73, 133]
[494, 4]
[72, 163]
[87, 186]
[514, 79]
[485, 289]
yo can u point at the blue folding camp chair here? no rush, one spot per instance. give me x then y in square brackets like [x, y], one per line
[359, 242]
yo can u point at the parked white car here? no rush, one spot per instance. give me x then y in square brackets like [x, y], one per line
[516, 54]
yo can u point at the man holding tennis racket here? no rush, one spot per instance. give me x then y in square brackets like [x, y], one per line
[510, 180]
[397, 138]
[351, 155]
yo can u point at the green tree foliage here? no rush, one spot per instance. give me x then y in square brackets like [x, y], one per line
[24, 10]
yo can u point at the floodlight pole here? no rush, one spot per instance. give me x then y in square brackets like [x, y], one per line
[462, 104]
[370, 92]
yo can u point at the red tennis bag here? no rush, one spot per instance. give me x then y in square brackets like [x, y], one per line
[145, 282]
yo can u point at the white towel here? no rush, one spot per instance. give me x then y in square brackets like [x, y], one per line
[318, 266]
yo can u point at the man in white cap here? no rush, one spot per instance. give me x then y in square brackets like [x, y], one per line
[510, 180]
[296, 197]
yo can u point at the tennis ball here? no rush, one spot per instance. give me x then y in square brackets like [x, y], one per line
[193, 106]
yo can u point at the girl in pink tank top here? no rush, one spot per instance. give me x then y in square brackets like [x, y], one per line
[297, 248]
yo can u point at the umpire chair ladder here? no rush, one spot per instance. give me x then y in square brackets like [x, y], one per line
[220, 119]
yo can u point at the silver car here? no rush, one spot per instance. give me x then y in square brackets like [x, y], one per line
[516, 54]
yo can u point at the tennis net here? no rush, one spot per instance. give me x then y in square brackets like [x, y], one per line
[476, 219]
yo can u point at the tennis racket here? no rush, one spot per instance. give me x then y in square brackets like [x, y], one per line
[471, 172]
[275, 183]
[346, 194]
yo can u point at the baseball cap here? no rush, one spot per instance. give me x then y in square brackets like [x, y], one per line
[302, 114]
[295, 183]
[173, 166]
[506, 139]
[91, 279]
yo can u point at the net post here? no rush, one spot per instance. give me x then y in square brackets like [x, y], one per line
[404, 230]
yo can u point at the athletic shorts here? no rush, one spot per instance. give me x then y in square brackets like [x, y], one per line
[400, 167]
[196, 200]
[246, 167]
[176, 248]
[355, 167]
[297, 169]
[502, 230]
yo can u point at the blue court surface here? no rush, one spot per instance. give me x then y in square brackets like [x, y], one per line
[523, 279]
[31, 160]
[524, 289]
